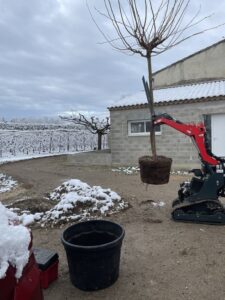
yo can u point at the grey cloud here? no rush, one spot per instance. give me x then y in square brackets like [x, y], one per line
[51, 61]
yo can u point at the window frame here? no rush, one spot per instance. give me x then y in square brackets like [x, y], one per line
[145, 133]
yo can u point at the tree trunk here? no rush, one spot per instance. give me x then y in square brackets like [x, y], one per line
[151, 106]
[99, 141]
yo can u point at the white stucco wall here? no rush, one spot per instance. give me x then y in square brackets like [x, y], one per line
[204, 65]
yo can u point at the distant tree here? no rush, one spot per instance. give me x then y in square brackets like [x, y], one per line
[148, 28]
[92, 124]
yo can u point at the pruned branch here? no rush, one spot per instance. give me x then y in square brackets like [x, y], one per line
[143, 28]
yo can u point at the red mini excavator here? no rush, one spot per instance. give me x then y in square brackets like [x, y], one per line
[198, 200]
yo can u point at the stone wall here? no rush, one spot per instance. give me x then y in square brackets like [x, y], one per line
[206, 64]
[126, 150]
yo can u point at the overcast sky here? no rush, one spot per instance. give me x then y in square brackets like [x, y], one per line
[51, 59]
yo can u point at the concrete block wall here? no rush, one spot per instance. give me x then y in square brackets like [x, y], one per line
[126, 150]
[93, 158]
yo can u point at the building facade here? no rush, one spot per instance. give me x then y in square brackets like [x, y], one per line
[191, 95]
[205, 65]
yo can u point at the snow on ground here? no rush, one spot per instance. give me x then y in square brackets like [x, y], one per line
[127, 170]
[14, 242]
[36, 155]
[158, 204]
[135, 170]
[75, 200]
[6, 183]
[180, 172]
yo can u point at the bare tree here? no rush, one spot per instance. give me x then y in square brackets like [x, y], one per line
[92, 124]
[149, 28]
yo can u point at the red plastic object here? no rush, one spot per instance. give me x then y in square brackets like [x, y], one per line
[47, 261]
[7, 285]
[28, 287]
[49, 275]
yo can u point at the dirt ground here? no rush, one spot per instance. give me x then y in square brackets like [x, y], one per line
[160, 259]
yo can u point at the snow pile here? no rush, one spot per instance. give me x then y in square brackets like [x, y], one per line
[14, 243]
[6, 183]
[74, 200]
[127, 170]
[27, 218]
[79, 201]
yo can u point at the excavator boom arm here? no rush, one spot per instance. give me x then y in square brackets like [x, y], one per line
[195, 131]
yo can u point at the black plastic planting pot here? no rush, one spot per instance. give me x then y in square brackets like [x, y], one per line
[93, 253]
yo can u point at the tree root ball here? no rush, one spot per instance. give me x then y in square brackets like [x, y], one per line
[155, 171]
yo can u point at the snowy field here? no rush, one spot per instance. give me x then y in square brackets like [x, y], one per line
[9, 158]
[22, 144]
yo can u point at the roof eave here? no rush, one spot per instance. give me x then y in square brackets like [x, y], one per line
[165, 103]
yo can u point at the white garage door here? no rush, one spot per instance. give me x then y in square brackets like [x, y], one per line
[218, 134]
